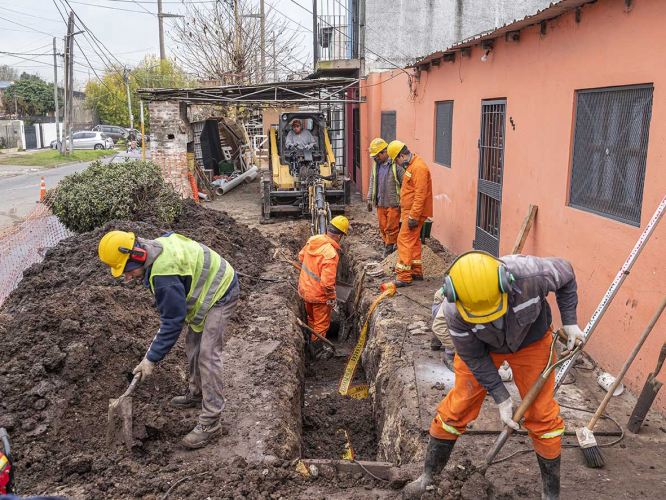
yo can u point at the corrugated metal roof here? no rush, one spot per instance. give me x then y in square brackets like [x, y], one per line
[554, 10]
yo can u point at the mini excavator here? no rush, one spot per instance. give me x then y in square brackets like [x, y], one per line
[304, 179]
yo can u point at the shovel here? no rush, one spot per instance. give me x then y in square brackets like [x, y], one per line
[648, 394]
[121, 408]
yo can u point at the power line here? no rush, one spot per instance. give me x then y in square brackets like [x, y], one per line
[26, 54]
[24, 26]
[110, 8]
[31, 15]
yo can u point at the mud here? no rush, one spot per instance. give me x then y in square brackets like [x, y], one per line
[72, 334]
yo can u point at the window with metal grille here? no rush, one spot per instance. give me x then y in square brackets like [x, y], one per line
[610, 149]
[443, 132]
[388, 125]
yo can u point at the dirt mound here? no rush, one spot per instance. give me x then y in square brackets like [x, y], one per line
[433, 265]
[71, 334]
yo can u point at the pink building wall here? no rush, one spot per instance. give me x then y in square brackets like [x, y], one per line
[539, 76]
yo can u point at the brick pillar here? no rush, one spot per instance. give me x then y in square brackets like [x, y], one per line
[169, 135]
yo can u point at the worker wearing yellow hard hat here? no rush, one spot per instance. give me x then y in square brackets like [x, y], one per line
[316, 285]
[415, 208]
[384, 193]
[496, 310]
[192, 285]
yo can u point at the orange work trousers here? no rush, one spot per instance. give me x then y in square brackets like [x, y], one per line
[389, 223]
[463, 403]
[409, 251]
[319, 318]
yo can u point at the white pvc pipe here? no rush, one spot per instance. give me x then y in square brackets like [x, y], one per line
[249, 176]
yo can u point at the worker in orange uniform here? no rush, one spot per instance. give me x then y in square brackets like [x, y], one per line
[319, 267]
[416, 207]
[497, 311]
[384, 193]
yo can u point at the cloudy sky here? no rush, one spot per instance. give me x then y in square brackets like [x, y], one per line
[127, 28]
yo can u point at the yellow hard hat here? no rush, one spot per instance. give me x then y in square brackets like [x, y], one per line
[340, 222]
[109, 250]
[377, 146]
[479, 285]
[394, 148]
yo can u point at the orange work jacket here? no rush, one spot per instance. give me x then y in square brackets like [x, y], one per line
[416, 191]
[319, 262]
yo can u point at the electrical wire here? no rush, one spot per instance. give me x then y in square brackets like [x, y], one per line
[24, 26]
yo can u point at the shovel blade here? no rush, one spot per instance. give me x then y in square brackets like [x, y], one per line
[120, 410]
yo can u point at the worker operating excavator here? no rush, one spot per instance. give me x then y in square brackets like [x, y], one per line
[298, 137]
[319, 266]
[192, 285]
[384, 193]
[497, 311]
[416, 207]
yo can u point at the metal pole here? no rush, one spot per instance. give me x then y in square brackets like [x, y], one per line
[160, 22]
[55, 94]
[65, 103]
[143, 136]
[314, 34]
[129, 100]
[71, 81]
[263, 42]
[275, 69]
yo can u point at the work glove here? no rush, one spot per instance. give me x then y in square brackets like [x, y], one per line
[145, 367]
[506, 414]
[369, 206]
[412, 223]
[573, 332]
[333, 304]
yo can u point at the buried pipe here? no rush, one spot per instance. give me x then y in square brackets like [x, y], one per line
[248, 176]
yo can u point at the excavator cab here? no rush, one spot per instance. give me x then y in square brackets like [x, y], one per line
[303, 177]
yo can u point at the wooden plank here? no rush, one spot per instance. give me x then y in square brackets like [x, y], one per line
[525, 229]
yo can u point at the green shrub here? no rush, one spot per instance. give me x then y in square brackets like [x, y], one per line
[130, 190]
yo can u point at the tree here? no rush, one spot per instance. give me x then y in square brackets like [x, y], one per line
[108, 97]
[223, 42]
[30, 96]
[7, 73]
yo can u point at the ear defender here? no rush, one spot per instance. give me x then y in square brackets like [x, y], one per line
[449, 290]
[504, 278]
[137, 254]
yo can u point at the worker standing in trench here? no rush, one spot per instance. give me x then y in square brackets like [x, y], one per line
[384, 193]
[192, 284]
[497, 311]
[416, 207]
[316, 285]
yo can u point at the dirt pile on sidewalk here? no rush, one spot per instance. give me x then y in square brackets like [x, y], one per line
[71, 334]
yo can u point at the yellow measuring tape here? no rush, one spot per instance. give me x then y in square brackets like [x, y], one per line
[359, 391]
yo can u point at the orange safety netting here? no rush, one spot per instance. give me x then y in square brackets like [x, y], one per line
[195, 189]
[26, 244]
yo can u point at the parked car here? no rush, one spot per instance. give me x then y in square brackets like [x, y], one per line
[88, 140]
[116, 133]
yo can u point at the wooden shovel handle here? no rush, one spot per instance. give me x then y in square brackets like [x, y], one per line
[660, 361]
[318, 335]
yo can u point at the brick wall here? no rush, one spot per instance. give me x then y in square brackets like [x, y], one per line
[170, 131]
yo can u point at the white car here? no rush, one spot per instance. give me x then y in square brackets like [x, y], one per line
[88, 140]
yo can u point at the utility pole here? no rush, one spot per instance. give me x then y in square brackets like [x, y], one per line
[314, 35]
[55, 94]
[70, 36]
[263, 41]
[160, 22]
[275, 68]
[65, 103]
[129, 100]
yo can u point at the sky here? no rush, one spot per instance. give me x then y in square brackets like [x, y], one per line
[127, 28]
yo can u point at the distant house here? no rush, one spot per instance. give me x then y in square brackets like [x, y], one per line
[3, 86]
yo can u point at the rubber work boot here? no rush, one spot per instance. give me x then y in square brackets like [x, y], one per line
[388, 250]
[550, 477]
[401, 284]
[437, 454]
[417, 277]
[186, 401]
[201, 435]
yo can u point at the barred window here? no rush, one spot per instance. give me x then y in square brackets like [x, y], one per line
[443, 132]
[388, 125]
[610, 149]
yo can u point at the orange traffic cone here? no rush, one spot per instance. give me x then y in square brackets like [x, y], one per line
[43, 190]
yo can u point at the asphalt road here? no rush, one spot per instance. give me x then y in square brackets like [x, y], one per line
[19, 194]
